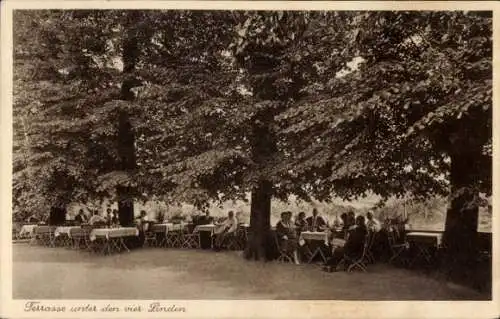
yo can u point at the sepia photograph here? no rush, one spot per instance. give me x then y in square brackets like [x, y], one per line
[180, 154]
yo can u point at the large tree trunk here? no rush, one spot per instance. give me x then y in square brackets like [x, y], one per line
[263, 147]
[460, 236]
[260, 239]
[126, 138]
[126, 149]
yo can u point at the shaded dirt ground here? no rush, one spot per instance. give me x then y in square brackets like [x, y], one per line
[156, 273]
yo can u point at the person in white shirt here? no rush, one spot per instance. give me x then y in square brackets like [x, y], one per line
[96, 219]
[225, 229]
[372, 223]
[142, 220]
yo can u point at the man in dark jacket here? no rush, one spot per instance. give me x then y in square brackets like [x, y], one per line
[316, 222]
[205, 237]
[353, 247]
[205, 219]
[80, 218]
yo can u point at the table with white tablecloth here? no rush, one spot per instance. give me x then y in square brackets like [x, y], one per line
[424, 242]
[433, 239]
[166, 227]
[313, 235]
[166, 233]
[65, 230]
[206, 228]
[63, 235]
[209, 231]
[112, 238]
[307, 237]
[113, 232]
[27, 231]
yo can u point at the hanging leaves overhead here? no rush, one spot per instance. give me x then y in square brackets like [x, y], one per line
[360, 101]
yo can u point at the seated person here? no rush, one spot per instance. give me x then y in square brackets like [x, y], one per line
[109, 216]
[114, 217]
[397, 225]
[97, 219]
[44, 220]
[349, 222]
[353, 246]
[372, 223]
[343, 219]
[67, 218]
[336, 223]
[316, 222]
[205, 219]
[287, 235]
[239, 217]
[33, 219]
[301, 223]
[81, 218]
[227, 228]
[142, 221]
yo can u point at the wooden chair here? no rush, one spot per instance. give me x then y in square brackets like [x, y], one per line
[397, 247]
[359, 262]
[284, 255]
[190, 239]
[76, 237]
[370, 258]
[242, 236]
[173, 239]
[15, 233]
[150, 239]
[89, 245]
[45, 234]
[231, 241]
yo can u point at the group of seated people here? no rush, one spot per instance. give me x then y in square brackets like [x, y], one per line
[110, 219]
[224, 228]
[352, 231]
[96, 219]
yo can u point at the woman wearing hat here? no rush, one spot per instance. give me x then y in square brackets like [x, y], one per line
[287, 235]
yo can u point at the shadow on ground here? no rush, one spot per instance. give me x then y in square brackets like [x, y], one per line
[156, 273]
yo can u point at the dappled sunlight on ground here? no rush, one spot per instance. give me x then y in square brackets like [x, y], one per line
[156, 273]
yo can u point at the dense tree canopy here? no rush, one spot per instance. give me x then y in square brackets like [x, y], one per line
[216, 104]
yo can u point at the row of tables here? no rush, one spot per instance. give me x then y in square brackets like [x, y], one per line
[107, 240]
[423, 243]
[112, 239]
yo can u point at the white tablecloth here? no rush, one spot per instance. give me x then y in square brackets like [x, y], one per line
[313, 235]
[413, 236]
[166, 227]
[175, 227]
[27, 230]
[248, 226]
[65, 230]
[42, 229]
[208, 228]
[113, 232]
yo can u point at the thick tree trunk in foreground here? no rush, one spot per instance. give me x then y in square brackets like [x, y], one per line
[460, 236]
[260, 238]
[260, 241]
[126, 149]
[126, 138]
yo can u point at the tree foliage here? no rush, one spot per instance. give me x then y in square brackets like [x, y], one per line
[425, 76]
[204, 80]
